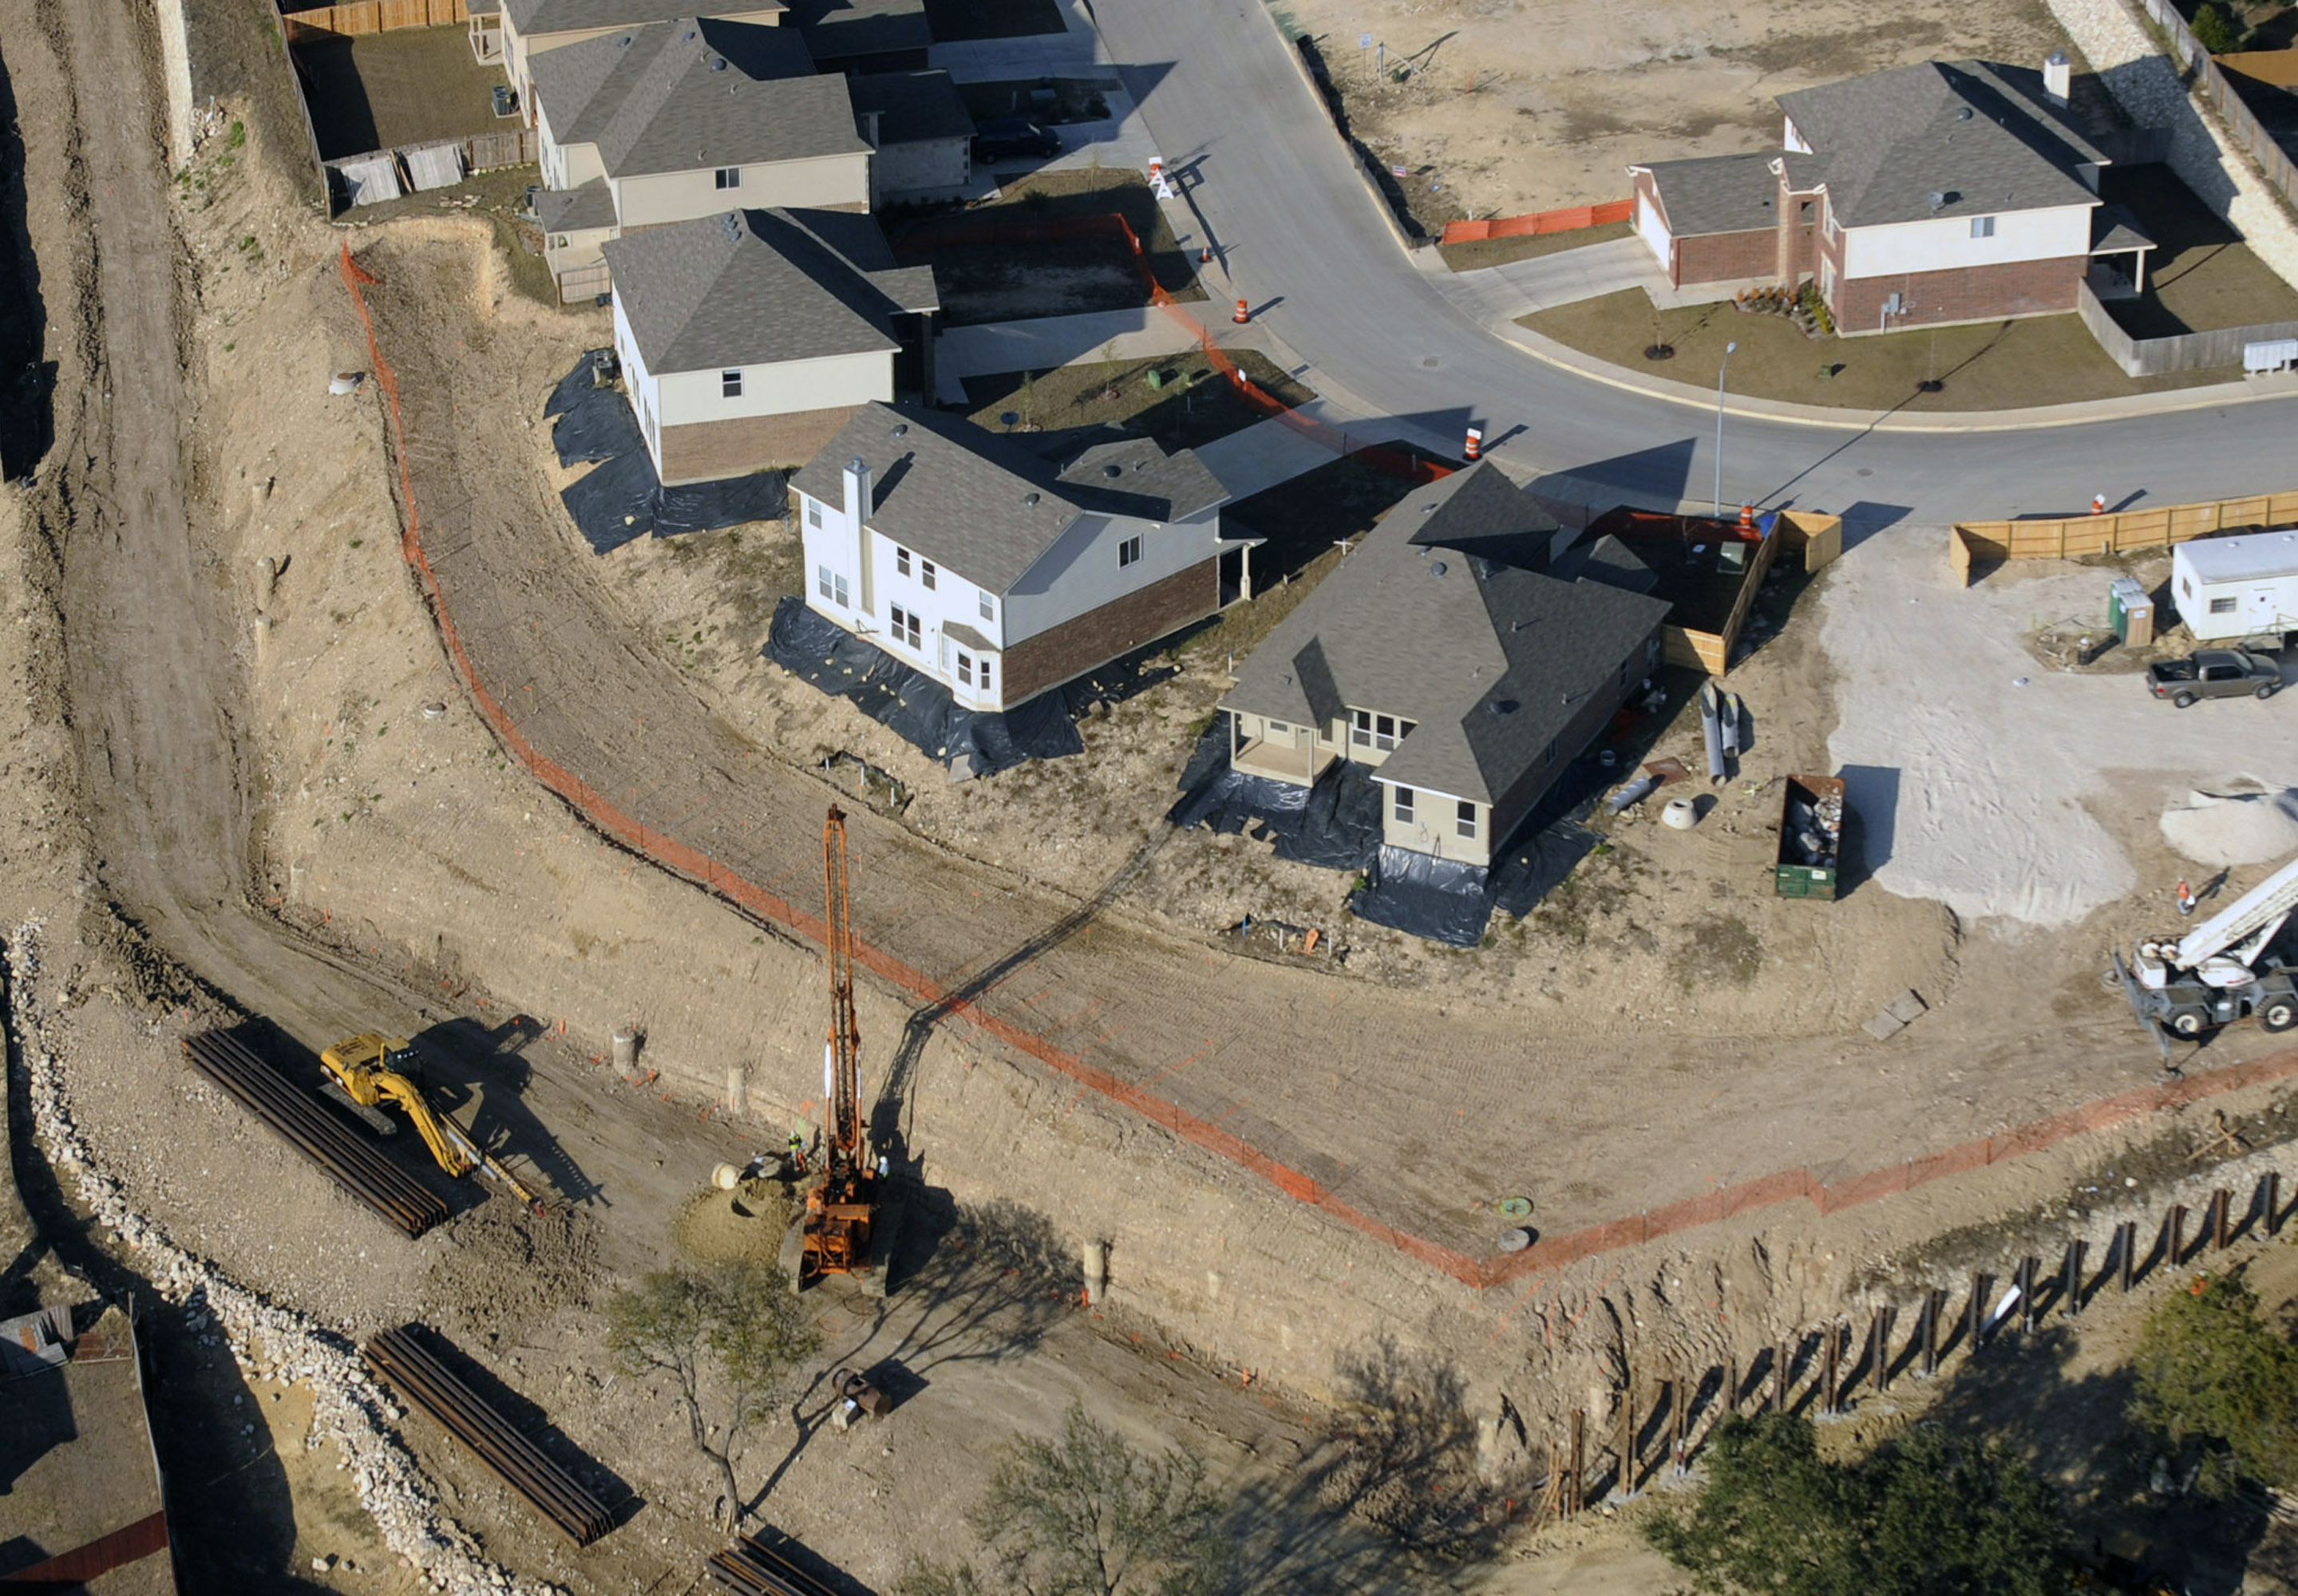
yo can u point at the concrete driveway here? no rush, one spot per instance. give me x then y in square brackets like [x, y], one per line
[1298, 234]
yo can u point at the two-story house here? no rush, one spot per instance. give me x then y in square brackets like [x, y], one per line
[746, 340]
[523, 32]
[966, 557]
[1944, 192]
[681, 120]
[1465, 650]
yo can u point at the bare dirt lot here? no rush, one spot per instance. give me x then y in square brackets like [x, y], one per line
[1522, 106]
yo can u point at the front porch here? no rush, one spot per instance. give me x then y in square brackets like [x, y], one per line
[1298, 762]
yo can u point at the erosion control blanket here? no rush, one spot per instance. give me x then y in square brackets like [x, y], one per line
[1335, 825]
[912, 705]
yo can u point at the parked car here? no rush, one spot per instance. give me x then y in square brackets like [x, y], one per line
[2215, 673]
[1007, 138]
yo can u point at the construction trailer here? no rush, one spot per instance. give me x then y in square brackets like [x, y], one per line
[2246, 586]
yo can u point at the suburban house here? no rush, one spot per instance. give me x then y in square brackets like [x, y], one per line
[1465, 650]
[922, 131]
[523, 30]
[865, 36]
[677, 120]
[747, 339]
[960, 553]
[1945, 192]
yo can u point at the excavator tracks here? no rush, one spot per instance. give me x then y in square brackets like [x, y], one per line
[310, 1125]
[425, 1380]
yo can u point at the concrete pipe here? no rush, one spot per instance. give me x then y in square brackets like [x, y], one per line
[726, 1177]
[263, 635]
[267, 577]
[1094, 1257]
[737, 1089]
[1680, 814]
[626, 1049]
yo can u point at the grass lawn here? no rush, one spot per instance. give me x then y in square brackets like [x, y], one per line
[1992, 365]
[952, 21]
[1195, 406]
[1500, 251]
[409, 86]
[2200, 277]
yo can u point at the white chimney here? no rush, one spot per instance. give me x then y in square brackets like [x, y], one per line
[858, 504]
[2058, 76]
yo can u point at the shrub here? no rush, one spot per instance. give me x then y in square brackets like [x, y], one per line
[2211, 1372]
[2215, 30]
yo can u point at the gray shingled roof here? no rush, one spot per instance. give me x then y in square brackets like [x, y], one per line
[1491, 657]
[573, 210]
[1715, 193]
[535, 17]
[691, 93]
[912, 107]
[1986, 137]
[841, 30]
[980, 504]
[752, 287]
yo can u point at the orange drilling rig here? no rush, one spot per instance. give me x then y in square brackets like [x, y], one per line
[840, 1229]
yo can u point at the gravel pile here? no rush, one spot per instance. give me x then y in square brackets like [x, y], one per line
[2235, 828]
[270, 1342]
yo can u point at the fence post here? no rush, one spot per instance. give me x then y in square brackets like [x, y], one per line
[1978, 1309]
[2221, 1217]
[2073, 1289]
[2272, 1180]
[1934, 1305]
[1680, 1394]
[1878, 1336]
[2028, 1269]
[2176, 1240]
[1783, 1357]
[1628, 1439]
[1831, 1366]
[1579, 1461]
[2125, 1243]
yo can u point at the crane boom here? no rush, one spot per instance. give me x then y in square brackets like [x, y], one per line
[2271, 901]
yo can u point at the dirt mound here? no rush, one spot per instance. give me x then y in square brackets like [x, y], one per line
[509, 1268]
[2235, 828]
[742, 1226]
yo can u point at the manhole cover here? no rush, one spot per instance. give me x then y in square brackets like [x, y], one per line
[1515, 1241]
[1865, 471]
[1514, 1207]
[1432, 361]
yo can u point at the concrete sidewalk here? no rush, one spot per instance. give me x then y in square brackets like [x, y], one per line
[1495, 296]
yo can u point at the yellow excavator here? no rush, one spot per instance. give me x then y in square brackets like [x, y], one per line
[370, 1069]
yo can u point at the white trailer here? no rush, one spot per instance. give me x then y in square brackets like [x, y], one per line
[2246, 586]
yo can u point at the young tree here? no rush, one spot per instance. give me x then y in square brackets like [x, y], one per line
[727, 1338]
[2216, 31]
[1927, 1516]
[1085, 1514]
[2210, 1370]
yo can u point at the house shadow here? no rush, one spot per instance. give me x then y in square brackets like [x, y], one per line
[1871, 815]
[1657, 477]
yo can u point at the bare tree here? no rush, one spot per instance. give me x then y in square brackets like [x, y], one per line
[1085, 1514]
[727, 1338]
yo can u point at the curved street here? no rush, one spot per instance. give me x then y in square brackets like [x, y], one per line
[1303, 239]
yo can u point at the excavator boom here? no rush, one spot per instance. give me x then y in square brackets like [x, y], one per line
[360, 1065]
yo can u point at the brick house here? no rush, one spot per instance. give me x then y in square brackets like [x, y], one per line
[963, 554]
[1467, 649]
[746, 340]
[1944, 192]
[677, 120]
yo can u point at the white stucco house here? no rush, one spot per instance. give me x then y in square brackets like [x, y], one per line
[961, 553]
[747, 339]
[674, 121]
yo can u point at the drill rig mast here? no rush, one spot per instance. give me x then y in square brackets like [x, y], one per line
[841, 1205]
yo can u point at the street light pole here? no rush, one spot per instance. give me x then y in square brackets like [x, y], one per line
[1729, 350]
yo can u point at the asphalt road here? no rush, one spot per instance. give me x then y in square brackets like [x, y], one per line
[1305, 242]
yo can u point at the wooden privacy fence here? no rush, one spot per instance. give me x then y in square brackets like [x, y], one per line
[372, 16]
[2071, 536]
[1569, 218]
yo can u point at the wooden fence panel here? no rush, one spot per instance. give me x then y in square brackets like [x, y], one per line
[359, 17]
[2075, 536]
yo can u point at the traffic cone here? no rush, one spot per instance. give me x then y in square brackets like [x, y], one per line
[2098, 504]
[1241, 317]
[1747, 518]
[1475, 447]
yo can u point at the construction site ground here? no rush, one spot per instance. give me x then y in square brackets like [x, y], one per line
[1523, 105]
[310, 821]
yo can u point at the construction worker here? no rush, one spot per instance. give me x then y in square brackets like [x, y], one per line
[2185, 901]
[796, 1156]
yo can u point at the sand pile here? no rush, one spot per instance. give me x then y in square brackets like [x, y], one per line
[2235, 828]
[743, 1226]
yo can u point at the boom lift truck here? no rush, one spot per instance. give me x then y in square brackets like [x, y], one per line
[2219, 972]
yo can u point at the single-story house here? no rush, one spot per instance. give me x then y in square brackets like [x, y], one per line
[1466, 650]
[672, 122]
[523, 30]
[923, 135]
[960, 552]
[1945, 192]
[747, 339]
[865, 36]
[2246, 586]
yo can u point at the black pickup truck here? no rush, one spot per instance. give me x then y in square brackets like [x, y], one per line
[2215, 673]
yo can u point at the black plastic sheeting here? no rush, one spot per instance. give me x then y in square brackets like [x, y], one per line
[912, 705]
[1337, 824]
[621, 499]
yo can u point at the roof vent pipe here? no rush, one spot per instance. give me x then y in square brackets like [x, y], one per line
[2058, 76]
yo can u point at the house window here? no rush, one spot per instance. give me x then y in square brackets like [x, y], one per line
[1982, 227]
[901, 562]
[905, 626]
[558, 241]
[1834, 227]
[985, 674]
[1129, 553]
[965, 668]
[829, 585]
[1464, 819]
[926, 573]
[1381, 732]
[988, 607]
[1276, 728]
[814, 512]
[730, 383]
[728, 177]
[1402, 806]
[2222, 606]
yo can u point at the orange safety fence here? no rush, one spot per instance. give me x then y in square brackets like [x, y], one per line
[1550, 1252]
[1570, 218]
